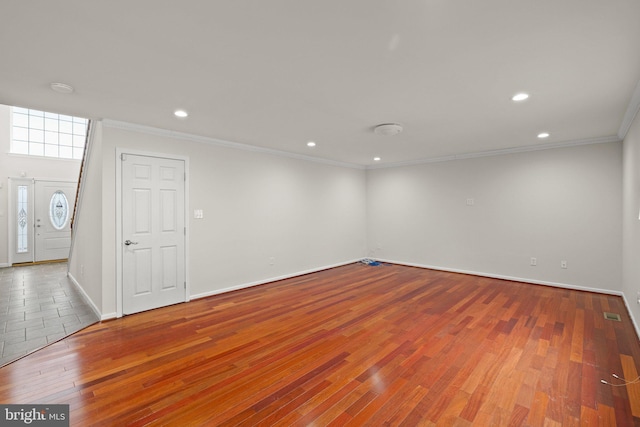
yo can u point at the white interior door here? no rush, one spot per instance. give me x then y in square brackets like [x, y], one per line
[53, 209]
[153, 232]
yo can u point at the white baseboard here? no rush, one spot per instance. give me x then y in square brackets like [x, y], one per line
[114, 315]
[272, 279]
[633, 319]
[109, 316]
[5, 265]
[85, 296]
[511, 278]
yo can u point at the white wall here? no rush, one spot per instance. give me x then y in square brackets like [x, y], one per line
[85, 262]
[557, 204]
[631, 222]
[256, 206]
[34, 167]
[560, 204]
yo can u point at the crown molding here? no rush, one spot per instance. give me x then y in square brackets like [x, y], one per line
[514, 150]
[246, 147]
[631, 113]
[222, 143]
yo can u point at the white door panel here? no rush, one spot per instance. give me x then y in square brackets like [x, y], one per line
[153, 224]
[53, 209]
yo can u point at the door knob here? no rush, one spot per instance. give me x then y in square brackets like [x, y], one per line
[129, 242]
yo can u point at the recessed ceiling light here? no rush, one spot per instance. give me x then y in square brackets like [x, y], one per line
[180, 113]
[376, 159]
[520, 96]
[311, 144]
[61, 88]
[543, 135]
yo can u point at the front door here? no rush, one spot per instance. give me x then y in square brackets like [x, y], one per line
[53, 208]
[153, 232]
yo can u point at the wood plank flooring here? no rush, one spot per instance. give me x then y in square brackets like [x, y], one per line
[350, 346]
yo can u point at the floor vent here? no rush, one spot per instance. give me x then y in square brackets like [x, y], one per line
[612, 316]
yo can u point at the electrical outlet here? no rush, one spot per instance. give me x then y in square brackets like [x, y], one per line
[563, 264]
[470, 202]
[272, 260]
[534, 261]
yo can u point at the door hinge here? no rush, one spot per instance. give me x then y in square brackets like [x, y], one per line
[185, 231]
[185, 285]
[123, 157]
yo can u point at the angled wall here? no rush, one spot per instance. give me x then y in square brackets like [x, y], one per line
[631, 221]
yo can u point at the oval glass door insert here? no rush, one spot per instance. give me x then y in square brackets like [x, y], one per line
[59, 210]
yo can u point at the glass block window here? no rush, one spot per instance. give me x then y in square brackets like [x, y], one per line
[38, 133]
[23, 230]
[58, 210]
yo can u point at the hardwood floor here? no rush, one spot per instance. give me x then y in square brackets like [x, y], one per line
[355, 345]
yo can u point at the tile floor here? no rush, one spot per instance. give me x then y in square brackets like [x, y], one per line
[38, 305]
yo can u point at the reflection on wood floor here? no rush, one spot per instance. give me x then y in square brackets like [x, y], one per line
[354, 345]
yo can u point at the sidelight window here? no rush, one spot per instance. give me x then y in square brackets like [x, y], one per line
[22, 229]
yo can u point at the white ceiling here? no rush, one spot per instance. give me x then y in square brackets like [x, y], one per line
[277, 73]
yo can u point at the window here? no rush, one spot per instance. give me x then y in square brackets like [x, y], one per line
[23, 230]
[38, 133]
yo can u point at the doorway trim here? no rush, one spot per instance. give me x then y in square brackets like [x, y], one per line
[118, 216]
[31, 183]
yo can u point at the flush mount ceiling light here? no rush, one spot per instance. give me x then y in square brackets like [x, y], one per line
[520, 97]
[376, 159]
[61, 88]
[388, 129]
[311, 144]
[180, 113]
[543, 135]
